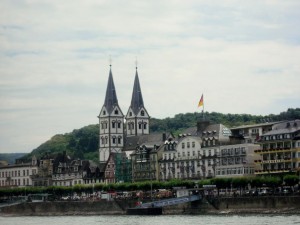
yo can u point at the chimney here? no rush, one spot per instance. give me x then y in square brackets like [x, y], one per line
[164, 136]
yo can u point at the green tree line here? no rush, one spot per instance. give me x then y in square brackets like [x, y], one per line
[221, 183]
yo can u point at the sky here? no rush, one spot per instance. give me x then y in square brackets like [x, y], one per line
[243, 56]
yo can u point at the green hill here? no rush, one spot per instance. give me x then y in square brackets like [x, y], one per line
[83, 143]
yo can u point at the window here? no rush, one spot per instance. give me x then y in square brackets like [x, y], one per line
[142, 113]
[193, 144]
[188, 144]
[140, 126]
[193, 153]
[104, 112]
[182, 145]
[119, 140]
[188, 154]
[119, 124]
[178, 154]
[116, 112]
[130, 114]
[145, 126]
[113, 124]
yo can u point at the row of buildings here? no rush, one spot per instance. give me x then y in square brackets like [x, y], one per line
[128, 152]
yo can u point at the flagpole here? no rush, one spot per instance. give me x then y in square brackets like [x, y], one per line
[203, 110]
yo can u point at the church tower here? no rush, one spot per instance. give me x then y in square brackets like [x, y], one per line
[137, 118]
[111, 122]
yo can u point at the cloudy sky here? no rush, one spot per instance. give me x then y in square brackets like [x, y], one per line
[54, 60]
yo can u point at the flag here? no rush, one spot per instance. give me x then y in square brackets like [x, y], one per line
[201, 101]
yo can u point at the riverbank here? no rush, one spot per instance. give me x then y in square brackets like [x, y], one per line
[217, 206]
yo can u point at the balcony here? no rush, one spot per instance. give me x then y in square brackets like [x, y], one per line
[272, 171]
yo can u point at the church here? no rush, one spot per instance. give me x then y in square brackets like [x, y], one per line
[120, 133]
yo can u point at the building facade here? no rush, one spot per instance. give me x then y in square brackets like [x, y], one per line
[18, 175]
[279, 151]
[236, 160]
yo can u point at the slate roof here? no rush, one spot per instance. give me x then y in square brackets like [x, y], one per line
[111, 97]
[286, 127]
[212, 130]
[147, 140]
[254, 125]
[137, 98]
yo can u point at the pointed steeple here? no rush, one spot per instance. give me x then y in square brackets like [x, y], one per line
[111, 97]
[137, 98]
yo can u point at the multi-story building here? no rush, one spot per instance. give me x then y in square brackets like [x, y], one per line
[279, 151]
[69, 172]
[195, 154]
[18, 175]
[146, 156]
[252, 133]
[45, 170]
[236, 160]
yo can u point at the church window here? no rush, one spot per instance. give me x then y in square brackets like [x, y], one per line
[142, 113]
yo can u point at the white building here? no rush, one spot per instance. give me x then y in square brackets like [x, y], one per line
[18, 175]
[236, 160]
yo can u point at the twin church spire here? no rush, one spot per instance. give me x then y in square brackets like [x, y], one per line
[113, 130]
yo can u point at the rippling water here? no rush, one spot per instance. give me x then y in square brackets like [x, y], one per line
[154, 220]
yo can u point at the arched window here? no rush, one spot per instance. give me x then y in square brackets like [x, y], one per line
[119, 139]
[104, 112]
[116, 112]
[119, 124]
[142, 113]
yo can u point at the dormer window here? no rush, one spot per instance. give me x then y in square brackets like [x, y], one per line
[142, 113]
[104, 112]
[116, 112]
[130, 114]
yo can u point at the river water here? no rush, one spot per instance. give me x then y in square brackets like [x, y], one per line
[154, 220]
